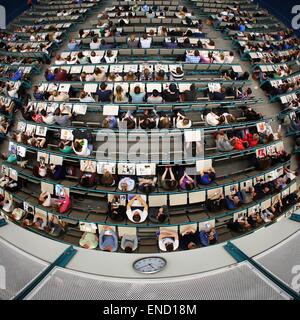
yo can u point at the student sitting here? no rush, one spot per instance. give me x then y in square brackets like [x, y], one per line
[195, 58]
[208, 236]
[73, 45]
[81, 147]
[148, 121]
[116, 210]
[210, 45]
[186, 182]
[129, 243]
[55, 227]
[104, 94]
[189, 239]
[126, 184]
[89, 240]
[63, 204]
[177, 74]
[215, 202]
[137, 215]
[171, 95]
[45, 199]
[146, 75]
[109, 57]
[110, 122]
[88, 175]
[182, 122]
[154, 97]
[108, 240]
[28, 217]
[172, 44]
[168, 181]
[137, 96]
[217, 95]
[114, 77]
[159, 215]
[99, 75]
[145, 42]
[233, 201]
[130, 76]
[95, 44]
[61, 119]
[190, 95]
[129, 120]
[120, 96]
[168, 240]
[147, 184]
[65, 146]
[58, 96]
[132, 42]
[206, 177]
[86, 97]
[223, 143]
[212, 119]
[164, 122]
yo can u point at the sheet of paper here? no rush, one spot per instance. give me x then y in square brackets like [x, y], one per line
[80, 109]
[66, 135]
[146, 169]
[47, 187]
[110, 110]
[192, 135]
[90, 87]
[56, 160]
[41, 131]
[43, 157]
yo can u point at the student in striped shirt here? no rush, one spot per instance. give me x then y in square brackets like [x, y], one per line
[177, 75]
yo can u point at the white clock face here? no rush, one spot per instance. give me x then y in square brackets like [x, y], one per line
[150, 265]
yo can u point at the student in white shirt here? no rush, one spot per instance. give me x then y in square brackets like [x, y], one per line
[48, 118]
[81, 147]
[139, 214]
[145, 42]
[45, 199]
[85, 97]
[229, 58]
[95, 58]
[109, 57]
[168, 240]
[59, 60]
[95, 44]
[210, 45]
[212, 119]
[182, 122]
